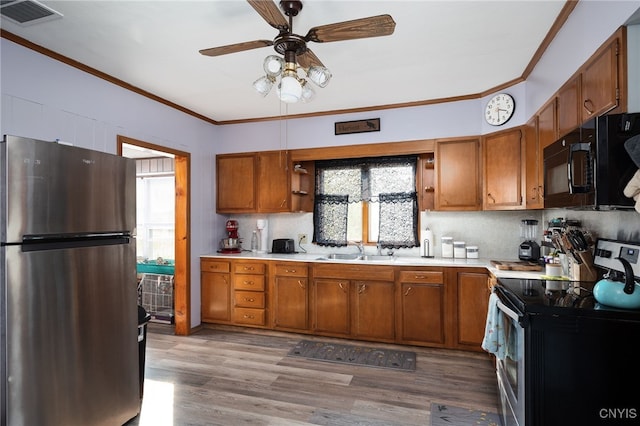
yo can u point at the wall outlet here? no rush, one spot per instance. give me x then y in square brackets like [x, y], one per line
[302, 239]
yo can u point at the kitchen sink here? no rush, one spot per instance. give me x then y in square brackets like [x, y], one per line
[343, 256]
[377, 257]
[357, 256]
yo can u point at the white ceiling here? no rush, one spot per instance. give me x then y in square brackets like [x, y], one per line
[439, 49]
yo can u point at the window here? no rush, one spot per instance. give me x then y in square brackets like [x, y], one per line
[367, 199]
[155, 213]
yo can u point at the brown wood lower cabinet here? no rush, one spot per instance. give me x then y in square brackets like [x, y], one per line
[291, 297]
[423, 306]
[215, 282]
[331, 301]
[421, 303]
[472, 305]
[373, 310]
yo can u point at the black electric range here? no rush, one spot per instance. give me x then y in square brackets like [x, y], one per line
[557, 297]
[578, 356]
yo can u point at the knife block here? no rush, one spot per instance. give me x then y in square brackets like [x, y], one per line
[582, 271]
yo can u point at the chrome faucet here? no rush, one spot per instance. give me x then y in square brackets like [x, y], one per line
[358, 244]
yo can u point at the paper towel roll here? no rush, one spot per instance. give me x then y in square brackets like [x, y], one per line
[426, 243]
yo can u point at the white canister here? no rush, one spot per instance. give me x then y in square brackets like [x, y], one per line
[447, 246]
[472, 252]
[553, 269]
[459, 251]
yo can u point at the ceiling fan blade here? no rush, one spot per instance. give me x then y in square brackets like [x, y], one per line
[308, 59]
[270, 13]
[233, 48]
[373, 26]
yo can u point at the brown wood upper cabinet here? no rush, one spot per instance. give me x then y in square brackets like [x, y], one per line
[256, 182]
[457, 174]
[539, 132]
[503, 166]
[598, 87]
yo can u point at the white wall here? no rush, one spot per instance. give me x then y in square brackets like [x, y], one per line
[46, 99]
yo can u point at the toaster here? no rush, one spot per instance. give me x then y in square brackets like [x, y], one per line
[283, 245]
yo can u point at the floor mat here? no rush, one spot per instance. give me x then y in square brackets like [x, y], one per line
[448, 415]
[351, 354]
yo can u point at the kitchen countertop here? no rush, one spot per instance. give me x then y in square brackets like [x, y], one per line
[393, 261]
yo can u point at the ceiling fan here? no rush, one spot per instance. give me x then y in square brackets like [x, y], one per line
[293, 47]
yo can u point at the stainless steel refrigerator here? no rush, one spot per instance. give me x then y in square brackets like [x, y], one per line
[68, 291]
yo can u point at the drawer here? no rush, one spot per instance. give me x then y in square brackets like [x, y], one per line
[207, 265]
[249, 299]
[249, 268]
[249, 316]
[248, 282]
[292, 270]
[421, 277]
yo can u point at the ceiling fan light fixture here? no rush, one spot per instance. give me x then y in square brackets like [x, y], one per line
[290, 89]
[308, 94]
[263, 85]
[320, 76]
[273, 65]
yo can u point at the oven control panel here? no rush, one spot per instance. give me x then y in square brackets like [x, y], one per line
[607, 252]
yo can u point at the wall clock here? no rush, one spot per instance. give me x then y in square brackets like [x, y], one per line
[499, 109]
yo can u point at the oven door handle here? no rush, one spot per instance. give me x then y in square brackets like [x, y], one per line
[510, 313]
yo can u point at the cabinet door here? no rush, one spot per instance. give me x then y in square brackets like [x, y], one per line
[273, 182]
[235, 179]
[532, 180]
[290, 303]
[331, 306]
[373, 310]
[216, 297]
[422, 313]
[457, 175]
[503, 170]
[569, 108]
[473, 301]
[600, 82]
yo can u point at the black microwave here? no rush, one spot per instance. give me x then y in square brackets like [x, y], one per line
[589, 167]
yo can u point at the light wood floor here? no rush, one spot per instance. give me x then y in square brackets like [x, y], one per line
[226, 376]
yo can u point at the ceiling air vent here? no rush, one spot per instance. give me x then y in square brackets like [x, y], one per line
[27, 12]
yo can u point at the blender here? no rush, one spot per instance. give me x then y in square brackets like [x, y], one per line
[529, 249]
[231, 244]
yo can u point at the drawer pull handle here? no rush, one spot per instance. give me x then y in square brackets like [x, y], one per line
[249, 299]
[248, 316]
[290, 271]
[420, 277]
[248, 282]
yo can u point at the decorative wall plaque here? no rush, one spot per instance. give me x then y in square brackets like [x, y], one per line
[358, 126]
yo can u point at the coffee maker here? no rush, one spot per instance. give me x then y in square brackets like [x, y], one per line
[231, 244]
[529, 249]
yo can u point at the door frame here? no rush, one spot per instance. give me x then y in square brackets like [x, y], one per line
[182, 274]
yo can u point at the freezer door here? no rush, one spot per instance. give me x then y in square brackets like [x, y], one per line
[57, 189]
[71, 348]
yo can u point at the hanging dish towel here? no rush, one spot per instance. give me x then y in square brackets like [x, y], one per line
[494, 337]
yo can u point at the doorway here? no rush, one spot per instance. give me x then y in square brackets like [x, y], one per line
[182, 235]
